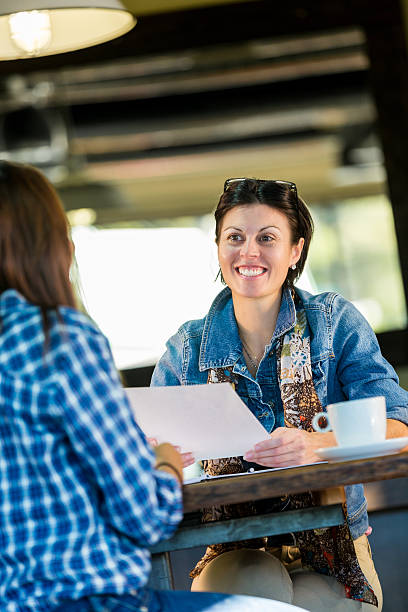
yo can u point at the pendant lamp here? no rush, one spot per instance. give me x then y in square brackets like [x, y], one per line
[34, 28]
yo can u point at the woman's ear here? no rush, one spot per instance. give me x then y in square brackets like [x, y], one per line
[297, 251]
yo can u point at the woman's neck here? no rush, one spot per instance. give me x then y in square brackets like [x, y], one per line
[256, 319]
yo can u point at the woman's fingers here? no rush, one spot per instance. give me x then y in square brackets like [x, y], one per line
[188, 459]
[284, 447]
[274, 458]
[276, 442]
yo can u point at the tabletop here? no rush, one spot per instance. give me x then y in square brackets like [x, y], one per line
[262, 485]
[315, 477]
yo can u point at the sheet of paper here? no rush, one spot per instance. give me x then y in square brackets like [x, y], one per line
[211, 421]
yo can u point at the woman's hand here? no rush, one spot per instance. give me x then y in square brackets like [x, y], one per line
[169, 460]
[288, 446]
[187, 458]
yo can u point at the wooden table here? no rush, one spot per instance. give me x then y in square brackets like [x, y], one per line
[263, 485]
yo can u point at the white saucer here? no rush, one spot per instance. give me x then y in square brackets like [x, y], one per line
[346, 453]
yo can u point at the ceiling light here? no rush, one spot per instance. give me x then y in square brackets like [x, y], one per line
[34, 28]
[82, 216]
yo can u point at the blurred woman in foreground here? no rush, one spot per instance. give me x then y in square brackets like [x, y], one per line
[83, 495]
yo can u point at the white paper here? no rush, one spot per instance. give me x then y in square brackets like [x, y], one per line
[210, 421]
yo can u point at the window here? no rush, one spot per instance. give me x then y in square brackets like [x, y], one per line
[141, 283]
[354, 252]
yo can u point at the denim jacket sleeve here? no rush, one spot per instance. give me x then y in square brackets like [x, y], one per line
[168, 371]
[361, 368]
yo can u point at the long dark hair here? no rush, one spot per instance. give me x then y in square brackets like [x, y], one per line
[35, 247]
[281, 195]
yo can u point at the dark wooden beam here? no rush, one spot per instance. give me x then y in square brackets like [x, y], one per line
[235, 530]
[388, 75]
[175, 31]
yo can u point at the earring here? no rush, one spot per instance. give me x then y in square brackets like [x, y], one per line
[293, 266]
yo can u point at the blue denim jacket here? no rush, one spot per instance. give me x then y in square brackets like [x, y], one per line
[346, 363]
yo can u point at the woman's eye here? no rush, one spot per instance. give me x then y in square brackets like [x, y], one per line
[234, 237]
[266, 238]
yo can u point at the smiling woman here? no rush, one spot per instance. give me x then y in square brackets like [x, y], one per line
[288, 354]
[263, 232]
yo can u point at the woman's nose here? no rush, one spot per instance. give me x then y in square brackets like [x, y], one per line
[250, 247]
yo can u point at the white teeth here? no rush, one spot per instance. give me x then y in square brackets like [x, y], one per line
[251, 271]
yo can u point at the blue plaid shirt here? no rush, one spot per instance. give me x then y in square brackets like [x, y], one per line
[80, 500]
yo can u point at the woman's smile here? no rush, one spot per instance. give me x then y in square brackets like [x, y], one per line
[250, 271]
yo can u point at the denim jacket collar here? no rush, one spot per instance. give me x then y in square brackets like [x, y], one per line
[221, 348]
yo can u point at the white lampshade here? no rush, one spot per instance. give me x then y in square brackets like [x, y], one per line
[34, 28]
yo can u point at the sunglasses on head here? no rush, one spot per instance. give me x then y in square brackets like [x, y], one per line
[289, 184]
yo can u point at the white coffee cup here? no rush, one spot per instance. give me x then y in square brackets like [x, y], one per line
[355, 422]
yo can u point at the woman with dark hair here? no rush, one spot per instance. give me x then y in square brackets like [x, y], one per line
[288, 354]
[82, 494]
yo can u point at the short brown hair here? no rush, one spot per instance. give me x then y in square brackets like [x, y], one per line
[35, 249]
[277, 194]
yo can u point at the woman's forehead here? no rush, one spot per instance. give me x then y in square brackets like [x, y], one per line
[255, 216]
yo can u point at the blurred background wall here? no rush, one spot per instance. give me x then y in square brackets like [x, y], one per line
[139, 134]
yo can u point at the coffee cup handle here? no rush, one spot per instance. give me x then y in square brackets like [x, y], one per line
[316, 419]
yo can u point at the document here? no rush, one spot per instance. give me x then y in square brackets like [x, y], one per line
[211, 421]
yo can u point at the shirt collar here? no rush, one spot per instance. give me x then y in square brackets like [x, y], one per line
[10, 301]
[220, 344]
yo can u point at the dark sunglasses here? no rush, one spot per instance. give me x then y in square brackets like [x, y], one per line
[289, 184]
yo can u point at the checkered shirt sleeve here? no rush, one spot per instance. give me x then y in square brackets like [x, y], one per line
[138, 501]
